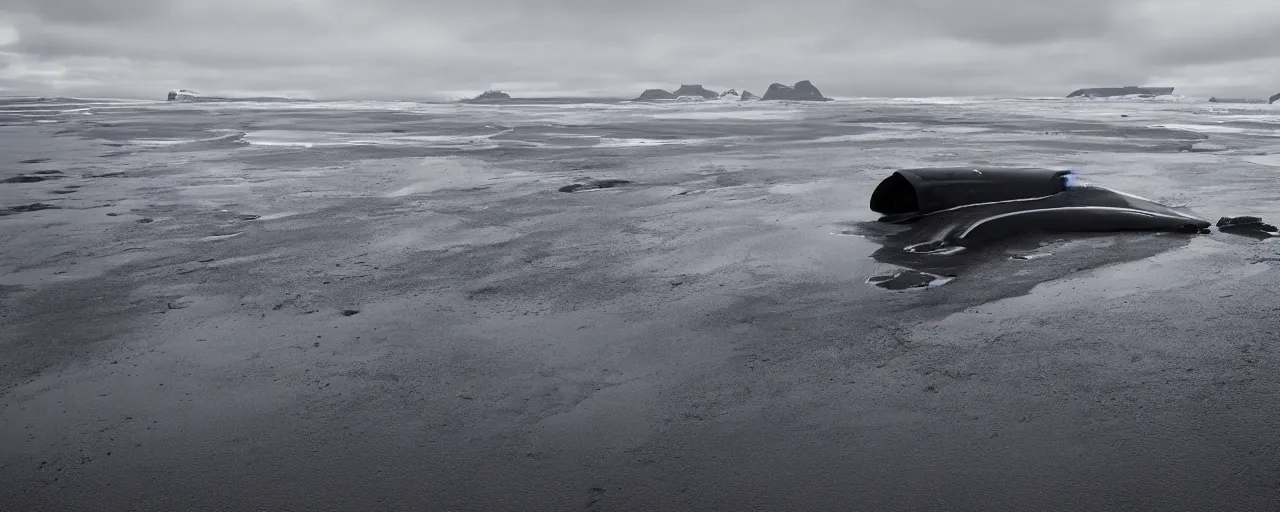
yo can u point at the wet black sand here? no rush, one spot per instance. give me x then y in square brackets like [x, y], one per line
[226, 326]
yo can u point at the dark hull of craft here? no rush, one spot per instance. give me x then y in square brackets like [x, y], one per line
[911, 193]
[950, 207]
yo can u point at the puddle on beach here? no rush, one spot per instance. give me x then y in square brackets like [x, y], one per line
[909, 280]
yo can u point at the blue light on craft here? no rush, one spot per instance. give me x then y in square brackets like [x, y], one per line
[1071, 179]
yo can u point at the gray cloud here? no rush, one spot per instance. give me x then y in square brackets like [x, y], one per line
[423, 49]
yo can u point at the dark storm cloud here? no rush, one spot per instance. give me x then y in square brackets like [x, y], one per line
[411, 48]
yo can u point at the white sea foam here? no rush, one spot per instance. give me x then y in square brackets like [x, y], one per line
[630, 143]
[735, 114]
[1267, 160]
[314, 139]
[871, 137]
[959, 129]
[1201, 128]
[224, 135]
[892, 126]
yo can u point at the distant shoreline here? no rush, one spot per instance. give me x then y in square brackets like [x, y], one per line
[576, 99]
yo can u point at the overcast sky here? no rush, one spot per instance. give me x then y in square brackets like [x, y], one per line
[424, 49]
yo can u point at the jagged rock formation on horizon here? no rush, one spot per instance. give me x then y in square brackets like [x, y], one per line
[1216, 99]
[730, 92]
[746, 95]
[183, 94]
[490, 96]
[801, 91]
[696, 90]
[656, 94]
[1128, 90]
[1274, 99]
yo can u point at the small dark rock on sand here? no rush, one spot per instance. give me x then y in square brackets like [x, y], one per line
[145, 221]
[350, 312]
[1244, 221]
[592, 185]
[1248, 226]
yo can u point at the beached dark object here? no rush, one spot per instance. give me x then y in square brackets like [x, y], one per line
[592, 185]
[1273, 99]
[801, 91]
[949, 207]
[746, 95]
[656, 94]
[1128, 90]
[696, 90]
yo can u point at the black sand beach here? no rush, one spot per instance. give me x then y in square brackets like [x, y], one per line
[392, 306]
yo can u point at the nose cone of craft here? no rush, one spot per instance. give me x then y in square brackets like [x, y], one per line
[914, 192]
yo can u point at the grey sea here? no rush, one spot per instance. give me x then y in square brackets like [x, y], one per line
[288, 305]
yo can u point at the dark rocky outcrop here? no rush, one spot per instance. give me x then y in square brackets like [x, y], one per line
[801, 91]
[490, 96]
[1128, 90]
[696, 90]
[1274, 99]
[592, 185]
[656, 94]
[730, 92]
[183, 94]
[746, 95]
